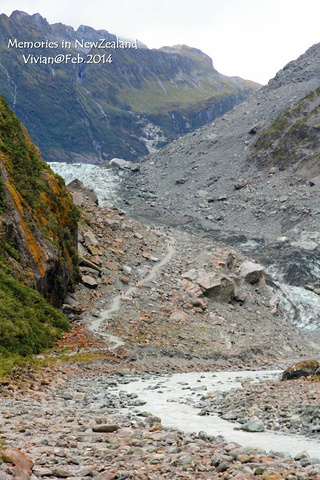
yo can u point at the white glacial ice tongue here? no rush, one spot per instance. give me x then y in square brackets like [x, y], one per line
[101, 179]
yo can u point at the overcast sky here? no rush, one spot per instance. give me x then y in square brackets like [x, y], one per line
[249, 38]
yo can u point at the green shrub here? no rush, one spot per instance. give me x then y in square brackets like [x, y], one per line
[28, 323]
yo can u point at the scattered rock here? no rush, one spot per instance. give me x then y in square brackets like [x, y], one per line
[61, 473]
[254, 425]
[178, 316]
[86, 263]
[89, 281]
[181, 181]
[90, 239]
[241, 183]
[105, 428]
[22, 463]
[120, 164]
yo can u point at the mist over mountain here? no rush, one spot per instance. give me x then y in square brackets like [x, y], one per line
[88, 96]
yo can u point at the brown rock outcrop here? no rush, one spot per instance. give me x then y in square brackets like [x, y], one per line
[301, 369]
[211, 284]
[22, 464]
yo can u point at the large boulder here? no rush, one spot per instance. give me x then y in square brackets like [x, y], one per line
[254, 424]
[301, 369]
[211, 284]
[79, 191]
[251, 272]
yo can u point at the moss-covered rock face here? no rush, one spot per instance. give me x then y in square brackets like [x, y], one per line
[96, 111]
[38, 220]
[293, 139]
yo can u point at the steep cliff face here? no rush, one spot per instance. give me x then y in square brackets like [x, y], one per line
[293, 139]
[91, 112]
[38, 221]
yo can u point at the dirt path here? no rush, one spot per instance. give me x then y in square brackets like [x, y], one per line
[97, 324]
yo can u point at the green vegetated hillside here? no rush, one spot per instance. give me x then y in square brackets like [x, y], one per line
[93, 112]
[38, 236]
[293, 139]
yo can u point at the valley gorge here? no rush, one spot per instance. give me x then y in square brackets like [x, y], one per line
[187, 282]
[78, 107]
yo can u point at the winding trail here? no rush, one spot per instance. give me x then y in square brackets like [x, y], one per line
[96, 324]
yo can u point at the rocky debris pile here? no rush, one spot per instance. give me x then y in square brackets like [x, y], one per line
[207, 304]
[72, 423]
[112, 250]
[290, 407]
[75, 427]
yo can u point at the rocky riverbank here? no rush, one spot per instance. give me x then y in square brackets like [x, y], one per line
[71, 423]
[291, 406]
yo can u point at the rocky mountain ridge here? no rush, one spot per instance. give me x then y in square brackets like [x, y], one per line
[38, 232]
[91, 112]
[216, 181]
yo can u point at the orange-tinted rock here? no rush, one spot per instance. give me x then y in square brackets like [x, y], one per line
[224, 258]
[211, 284]
[23, 464]
[191, 288]
[111, 265]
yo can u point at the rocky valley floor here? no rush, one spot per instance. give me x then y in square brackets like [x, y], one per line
[153, 301]
[72, 425]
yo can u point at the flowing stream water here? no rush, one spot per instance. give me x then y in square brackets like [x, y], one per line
[174, 398]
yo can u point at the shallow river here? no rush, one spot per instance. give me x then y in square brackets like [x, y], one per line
[173, 398]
